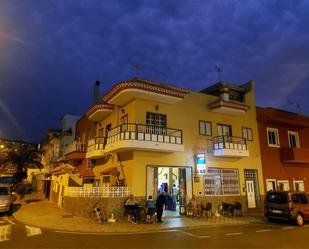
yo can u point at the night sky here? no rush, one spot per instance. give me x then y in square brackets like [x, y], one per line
[51, 52]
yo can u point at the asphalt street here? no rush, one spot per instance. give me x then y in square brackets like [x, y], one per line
[259, 235]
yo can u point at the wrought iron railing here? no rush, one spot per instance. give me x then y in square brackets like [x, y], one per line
[229, 142]
[131, 131]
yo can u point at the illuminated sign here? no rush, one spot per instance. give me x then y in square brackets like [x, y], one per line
[201, 164]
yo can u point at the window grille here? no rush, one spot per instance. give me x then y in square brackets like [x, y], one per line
[222, 182]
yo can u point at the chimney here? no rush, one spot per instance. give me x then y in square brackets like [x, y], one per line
[96, 93]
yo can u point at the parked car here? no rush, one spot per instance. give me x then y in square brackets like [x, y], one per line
[6, 199]
[287, 205]
[7, 179]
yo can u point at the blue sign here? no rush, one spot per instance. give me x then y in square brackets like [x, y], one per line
[201, 164]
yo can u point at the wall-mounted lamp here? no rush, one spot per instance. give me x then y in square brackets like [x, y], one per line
[122, 111]
[157, 107]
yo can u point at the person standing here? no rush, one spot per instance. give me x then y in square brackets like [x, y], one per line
[161, 201]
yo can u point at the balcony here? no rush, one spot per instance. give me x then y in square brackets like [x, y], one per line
[227, 146]
[229, 107]
[126, 137]
[98, 112]
[294, 155]
[96, 148]
[75, 150]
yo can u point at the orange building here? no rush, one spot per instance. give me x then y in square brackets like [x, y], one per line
[284, 142]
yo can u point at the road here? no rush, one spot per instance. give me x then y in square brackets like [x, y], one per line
[259, 235]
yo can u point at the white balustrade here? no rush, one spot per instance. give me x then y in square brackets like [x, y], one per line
[105, 191]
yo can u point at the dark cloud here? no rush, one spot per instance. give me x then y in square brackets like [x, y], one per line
[53, 51]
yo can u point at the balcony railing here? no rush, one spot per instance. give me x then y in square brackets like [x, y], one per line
[75, 147]
[145, 132]
[137, 136]
[230, 146]
[97, 143]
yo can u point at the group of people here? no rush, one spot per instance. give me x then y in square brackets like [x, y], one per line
[151, 206]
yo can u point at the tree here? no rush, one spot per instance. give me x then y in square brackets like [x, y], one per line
[23, 157]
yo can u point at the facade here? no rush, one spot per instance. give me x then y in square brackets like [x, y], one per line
[50, 148]
[154, 137]
[284, 145]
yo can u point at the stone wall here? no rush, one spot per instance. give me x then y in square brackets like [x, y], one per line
[81, 206]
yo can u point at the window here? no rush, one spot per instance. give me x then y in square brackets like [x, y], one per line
[205, 128]
[156, 119]
[221, 182]
[224, 130]
[299, 185]
[101, 132]
[283, 185]
[124, 123]
[270, 184]
[124, 119]
[277, 198]
[299, 199]
[293, 139]
[247, 133]
[156, 123]
[273, 137]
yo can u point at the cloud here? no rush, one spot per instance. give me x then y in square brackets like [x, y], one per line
[180, 42]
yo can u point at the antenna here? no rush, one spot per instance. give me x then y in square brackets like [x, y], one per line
[219, 71]
[137, 66]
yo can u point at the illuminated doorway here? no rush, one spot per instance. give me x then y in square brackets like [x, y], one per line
[176, 182]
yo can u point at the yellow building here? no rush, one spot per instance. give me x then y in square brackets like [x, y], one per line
[154, 137]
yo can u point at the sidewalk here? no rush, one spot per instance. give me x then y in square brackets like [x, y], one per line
[39, 212]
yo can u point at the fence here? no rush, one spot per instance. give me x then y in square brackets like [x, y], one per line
[97, 192]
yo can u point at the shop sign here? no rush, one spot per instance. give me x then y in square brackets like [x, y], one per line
[201, 164]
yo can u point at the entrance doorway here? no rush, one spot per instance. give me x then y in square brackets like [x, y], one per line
[176, 182]
[252, 188]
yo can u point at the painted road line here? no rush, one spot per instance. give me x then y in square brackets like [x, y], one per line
[233, 234]
[5, 232]
[9, 220]
[190, 234]
[194, 235]
[288, 227]
[118, 233]
[263, 230]
[204, 236]
[32, 231]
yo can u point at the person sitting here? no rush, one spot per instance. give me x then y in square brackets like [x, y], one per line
[195, 207]
[150, 206]
[131, 207]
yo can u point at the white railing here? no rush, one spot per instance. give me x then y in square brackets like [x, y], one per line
[75, 147]
[105, 191]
